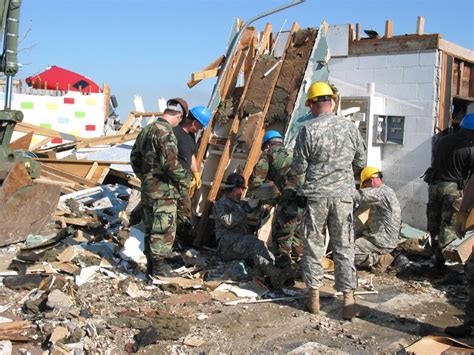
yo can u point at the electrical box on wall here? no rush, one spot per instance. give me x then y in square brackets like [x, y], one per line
[389, 129]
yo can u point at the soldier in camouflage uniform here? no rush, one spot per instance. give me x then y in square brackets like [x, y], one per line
[466, 329]
[275, 165]
[379, 236]
[154, 160]
[232, 235]
[327, 148]
[453, 163]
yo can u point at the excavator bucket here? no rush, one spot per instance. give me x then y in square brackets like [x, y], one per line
[25, 205]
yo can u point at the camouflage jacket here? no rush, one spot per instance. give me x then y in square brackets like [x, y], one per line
[154, 160]
[274, 165]
[383, 225]
[230, 218]
[327, 148]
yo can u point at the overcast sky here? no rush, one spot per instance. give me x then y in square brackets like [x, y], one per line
[151, 47]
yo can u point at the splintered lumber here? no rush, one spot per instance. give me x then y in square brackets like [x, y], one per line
[120, 138]
[265, 41]
[213, 66]
[22, 142]
[388, 29]
[93, 171]
[46, 132]
[205, 74]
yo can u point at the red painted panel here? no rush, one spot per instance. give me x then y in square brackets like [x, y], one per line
[90, 127]
[69, 100]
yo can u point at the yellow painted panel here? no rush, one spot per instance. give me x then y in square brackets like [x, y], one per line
[52, 106]
[90, 102]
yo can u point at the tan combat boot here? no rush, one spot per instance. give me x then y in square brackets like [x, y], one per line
[382, 264]
[313, 304]
[349, 310]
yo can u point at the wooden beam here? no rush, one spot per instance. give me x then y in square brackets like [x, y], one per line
[215, 64]
[106, 102]
[205, 74]
[264, 42]
[456, 50]
[460, 77]
[120, 138]
[92, 170]
[358, 32]
[388, 29]
[39, 144]
[420, 25]
[131, 118]
[22, 142]
[395, 44]
[46, 132]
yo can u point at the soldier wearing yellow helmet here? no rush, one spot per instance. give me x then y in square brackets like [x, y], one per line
[326, 150]
[379, 236]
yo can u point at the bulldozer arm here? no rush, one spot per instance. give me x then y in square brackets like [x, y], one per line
[25, 205]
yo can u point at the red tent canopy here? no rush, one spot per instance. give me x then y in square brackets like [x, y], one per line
[56, 78]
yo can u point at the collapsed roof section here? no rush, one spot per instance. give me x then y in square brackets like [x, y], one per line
[261, 88]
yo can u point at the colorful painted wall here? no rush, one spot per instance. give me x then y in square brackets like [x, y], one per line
[74, 113]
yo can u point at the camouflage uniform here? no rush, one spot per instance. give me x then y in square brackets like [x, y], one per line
[453, 163]
[469, 267]
[233, 238]
[441, 211]
[154, 160]
[326, 149]
[275, 165]
[381, 233]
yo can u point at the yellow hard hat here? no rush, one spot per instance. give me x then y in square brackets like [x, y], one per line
[316, 89]
[367, 173]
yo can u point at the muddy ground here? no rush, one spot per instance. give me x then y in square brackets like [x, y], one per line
[103, 318]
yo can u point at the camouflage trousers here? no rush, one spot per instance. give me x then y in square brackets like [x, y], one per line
[469, 267]
[286, 235]
[244, 247]
[441, 212]
[367, 253]
[335, 214]
[184, 228]
[159, 217]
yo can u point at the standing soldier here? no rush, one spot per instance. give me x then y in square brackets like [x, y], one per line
[197, 118]
[466, 329]
[327, 148]
[275, 165]
[453, 163]
[154, 160]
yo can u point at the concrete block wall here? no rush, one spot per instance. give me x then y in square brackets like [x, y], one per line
[409, 82]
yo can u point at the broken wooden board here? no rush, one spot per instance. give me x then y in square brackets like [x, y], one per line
[22, 142]
[433, 345]
[460, 249]
[93, 171]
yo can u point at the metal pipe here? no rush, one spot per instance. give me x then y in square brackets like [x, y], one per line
[8, 92]
[233, 47]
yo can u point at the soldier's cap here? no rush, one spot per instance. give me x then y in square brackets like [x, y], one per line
[178, 104]
[234, 180]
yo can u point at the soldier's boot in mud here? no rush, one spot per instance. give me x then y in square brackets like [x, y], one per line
[382, 264]
[461, 331]
[349, 309]
[313, 303]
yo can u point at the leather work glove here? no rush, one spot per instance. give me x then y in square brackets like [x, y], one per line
[301, 201]
[197, 179]
[460, 224]
[288, 195]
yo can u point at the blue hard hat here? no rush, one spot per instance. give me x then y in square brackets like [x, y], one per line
[270, 135]
[201, 114]
[468, 122]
